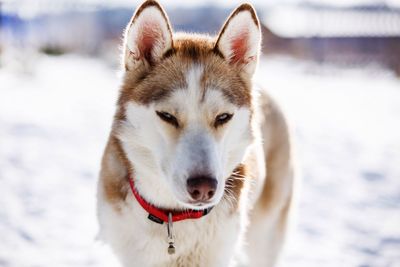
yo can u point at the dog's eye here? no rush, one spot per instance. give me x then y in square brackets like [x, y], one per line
[222, 119]
[167, 117]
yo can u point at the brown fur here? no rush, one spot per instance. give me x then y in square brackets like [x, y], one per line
[278, 155]
[270, 215]
[149, 85]
[148, 81]
[114, 172]
[146, 84]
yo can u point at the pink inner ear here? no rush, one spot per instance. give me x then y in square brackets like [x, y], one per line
[149, 36]
[239, 46]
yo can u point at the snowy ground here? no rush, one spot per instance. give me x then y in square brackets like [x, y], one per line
[55, 119]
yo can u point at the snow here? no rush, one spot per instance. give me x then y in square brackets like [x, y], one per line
[53, 127]
[348, 141]
[55, 118]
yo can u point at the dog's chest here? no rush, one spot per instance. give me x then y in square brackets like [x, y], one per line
[208, 241]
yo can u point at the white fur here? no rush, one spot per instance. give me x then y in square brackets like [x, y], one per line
[162, 178]
[141, 243]
[163, 160]
[216, 236]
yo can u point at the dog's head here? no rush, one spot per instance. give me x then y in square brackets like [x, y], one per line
[184, 118]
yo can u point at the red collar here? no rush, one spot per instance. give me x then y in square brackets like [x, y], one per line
[160, 215]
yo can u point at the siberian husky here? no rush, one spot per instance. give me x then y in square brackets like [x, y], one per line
[198, 168]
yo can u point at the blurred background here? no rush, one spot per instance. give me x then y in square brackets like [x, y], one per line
[334, 65]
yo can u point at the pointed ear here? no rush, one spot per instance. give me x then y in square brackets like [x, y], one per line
[240, 37]
[148, 36]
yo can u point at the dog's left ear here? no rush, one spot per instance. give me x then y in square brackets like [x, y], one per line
[148, 36]
[239, 40]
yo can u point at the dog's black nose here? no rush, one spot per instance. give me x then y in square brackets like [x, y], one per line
[201, 188]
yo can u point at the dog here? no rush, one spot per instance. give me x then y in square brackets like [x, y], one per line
[198, 169]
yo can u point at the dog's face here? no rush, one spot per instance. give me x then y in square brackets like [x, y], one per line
[185, 106]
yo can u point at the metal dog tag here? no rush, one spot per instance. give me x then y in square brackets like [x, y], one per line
[171, 243]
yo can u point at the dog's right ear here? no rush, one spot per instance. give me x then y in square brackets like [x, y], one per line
[148, 36]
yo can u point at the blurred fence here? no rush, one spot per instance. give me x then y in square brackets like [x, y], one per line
[353, 36]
